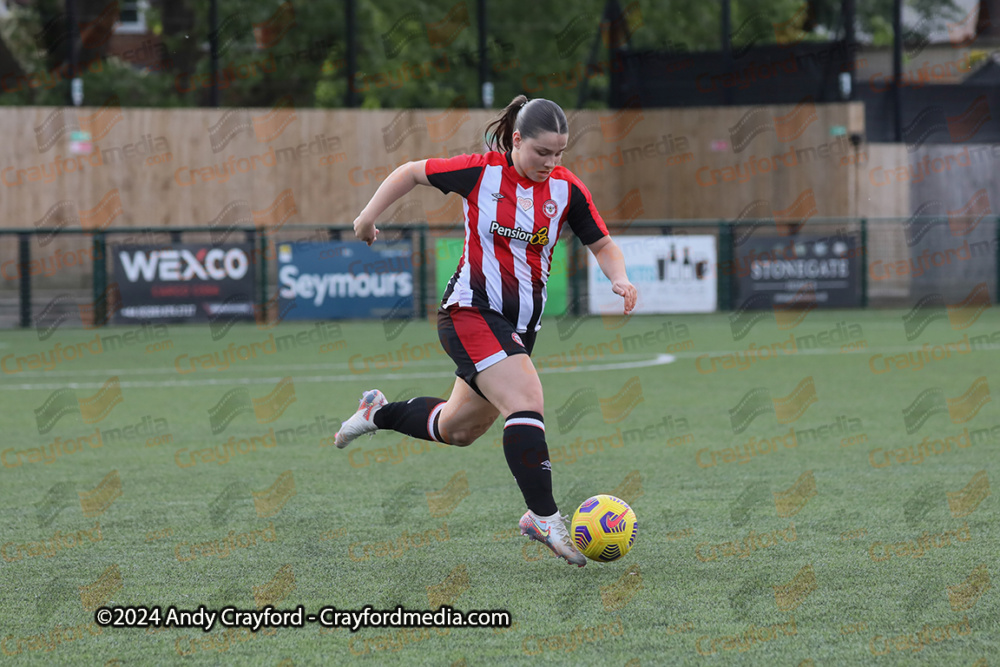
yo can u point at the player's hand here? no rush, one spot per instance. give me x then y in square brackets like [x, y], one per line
[365, 230]
[627, 290]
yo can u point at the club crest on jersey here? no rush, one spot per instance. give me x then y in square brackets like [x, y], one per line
[541, 237]
[517, 339]
[549, 208]
[525, 203]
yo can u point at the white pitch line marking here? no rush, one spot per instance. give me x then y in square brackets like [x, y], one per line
[658, 360]
[264, 368]
[654, 361]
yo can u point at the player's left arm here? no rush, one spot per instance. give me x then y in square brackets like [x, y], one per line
[612, 262]
[587, 224]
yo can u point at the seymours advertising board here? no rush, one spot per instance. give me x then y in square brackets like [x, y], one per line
[673, 274]
[184, 282]
[818, 270]
[318, 281]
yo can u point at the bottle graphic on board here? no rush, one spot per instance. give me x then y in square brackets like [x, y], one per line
[687, 271]
[672, 268]
[700, 268]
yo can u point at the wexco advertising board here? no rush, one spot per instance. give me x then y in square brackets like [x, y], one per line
[184, 282]
[674, 274]
[320, 281]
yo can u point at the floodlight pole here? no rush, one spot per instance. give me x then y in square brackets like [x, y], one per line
[486, 96]
[611, 13]
[72, 49]
[897, 68]
[213, 45]
[352, 53]
[727, 47]
[849, 39]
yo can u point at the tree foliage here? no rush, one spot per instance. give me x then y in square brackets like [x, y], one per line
[422, 53]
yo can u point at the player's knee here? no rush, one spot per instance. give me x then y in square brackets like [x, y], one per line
[526, 406]
[523, 400]
[466, 436]
[462, 438]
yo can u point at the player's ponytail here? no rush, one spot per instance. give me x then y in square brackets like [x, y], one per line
[529, 118]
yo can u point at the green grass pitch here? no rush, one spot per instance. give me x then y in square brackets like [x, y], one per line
[788, 511]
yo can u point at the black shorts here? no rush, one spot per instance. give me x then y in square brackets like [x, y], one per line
[477, 338]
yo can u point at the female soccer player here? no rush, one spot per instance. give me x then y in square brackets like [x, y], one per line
[517, 198]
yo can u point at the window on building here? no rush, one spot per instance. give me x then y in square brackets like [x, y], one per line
[132, 18]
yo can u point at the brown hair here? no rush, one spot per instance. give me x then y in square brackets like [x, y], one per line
[529, 118]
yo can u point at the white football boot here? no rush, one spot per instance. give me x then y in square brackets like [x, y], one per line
[551, 531]
[362, 421]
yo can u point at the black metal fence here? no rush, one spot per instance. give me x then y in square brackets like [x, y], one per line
[895, 262]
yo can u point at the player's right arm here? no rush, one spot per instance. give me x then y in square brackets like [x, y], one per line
[396, 186]
[458, 174]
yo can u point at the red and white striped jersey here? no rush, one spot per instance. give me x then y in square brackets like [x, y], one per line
[511, 227]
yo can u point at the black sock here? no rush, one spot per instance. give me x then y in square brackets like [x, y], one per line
[528, 458]
[417, 417]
